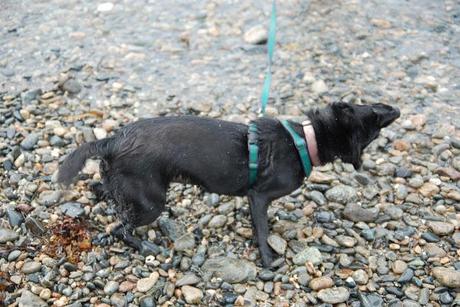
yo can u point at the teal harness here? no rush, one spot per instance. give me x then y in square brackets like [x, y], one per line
[253, 146]
[299, 142]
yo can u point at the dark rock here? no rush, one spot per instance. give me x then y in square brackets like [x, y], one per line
[170, 228]
[395, 291]
[324, 217]
[71, 86]
[430, 237]
[406, 276]
[266, 275]
[403, 172]
[14, 217]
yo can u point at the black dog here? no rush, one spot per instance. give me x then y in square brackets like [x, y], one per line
[140, 161]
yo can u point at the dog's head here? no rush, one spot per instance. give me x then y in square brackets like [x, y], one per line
[350, 128]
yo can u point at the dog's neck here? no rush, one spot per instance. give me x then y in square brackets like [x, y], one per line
[310, 138]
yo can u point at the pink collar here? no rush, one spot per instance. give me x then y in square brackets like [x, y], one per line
[310, 137]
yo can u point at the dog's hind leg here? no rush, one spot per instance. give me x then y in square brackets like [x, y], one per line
[146, 201]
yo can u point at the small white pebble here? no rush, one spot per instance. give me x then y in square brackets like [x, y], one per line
[150, 260]
[105, 7]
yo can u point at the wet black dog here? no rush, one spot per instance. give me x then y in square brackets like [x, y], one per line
[140, 161]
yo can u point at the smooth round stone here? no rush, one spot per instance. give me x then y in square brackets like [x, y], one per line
[256, 35]
[446, 298]
[342, 194]
[29, 141]
[147, 301]
[192, 295]
[277, 243]
[188, 279]
[266, 275]
[118, 300]
[111, 287]
[230, 298]
[320, 283]
[324, 217]
[334, 295]
[360, 276]
[399, 266]
[311, 254]
[13, 255]
[31, 267]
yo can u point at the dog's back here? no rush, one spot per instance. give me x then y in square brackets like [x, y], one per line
[182, 147]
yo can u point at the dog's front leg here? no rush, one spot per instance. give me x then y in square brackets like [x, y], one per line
[259, 206]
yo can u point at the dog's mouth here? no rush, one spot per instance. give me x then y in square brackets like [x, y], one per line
[386, 114]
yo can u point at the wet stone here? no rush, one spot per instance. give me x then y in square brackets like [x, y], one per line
[342, 194]
[356, 213]
[318, 198]
[72, 209]
[430, 237]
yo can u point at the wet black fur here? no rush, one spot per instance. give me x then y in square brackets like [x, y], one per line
[140, 161]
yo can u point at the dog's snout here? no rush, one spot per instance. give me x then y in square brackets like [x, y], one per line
[387, 114]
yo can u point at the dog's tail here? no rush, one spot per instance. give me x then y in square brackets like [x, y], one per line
[76, 160]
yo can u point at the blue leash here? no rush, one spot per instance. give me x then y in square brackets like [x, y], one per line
[270, 51]
[252, 132]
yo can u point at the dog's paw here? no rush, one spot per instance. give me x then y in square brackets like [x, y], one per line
[149, 248]
[267, 259]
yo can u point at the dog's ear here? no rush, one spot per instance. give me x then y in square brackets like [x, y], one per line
[344, 113]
